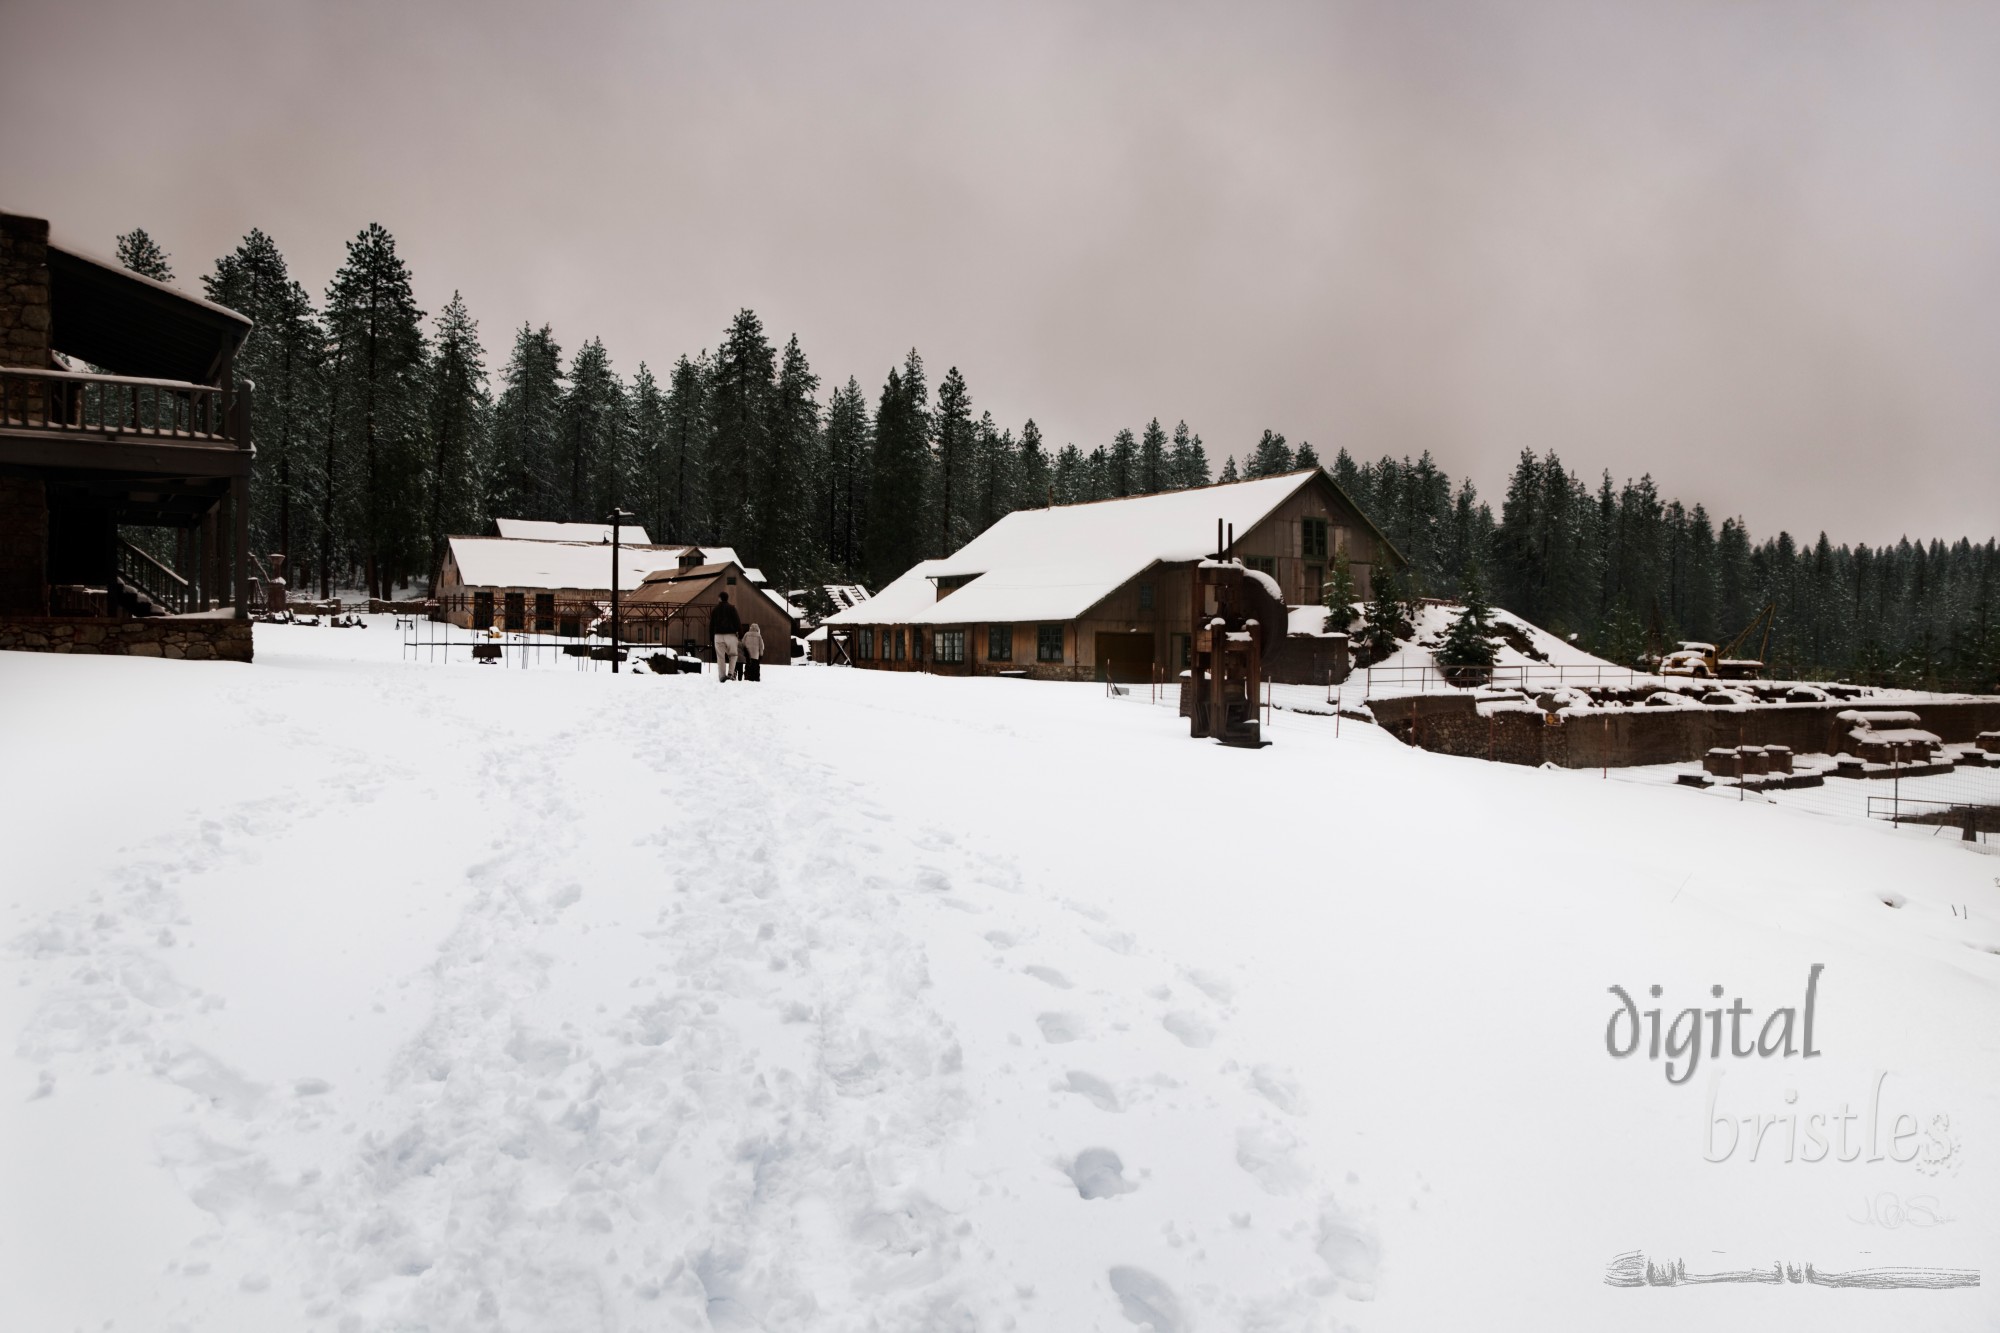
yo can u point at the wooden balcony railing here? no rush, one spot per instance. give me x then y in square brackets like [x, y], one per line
[66, 402]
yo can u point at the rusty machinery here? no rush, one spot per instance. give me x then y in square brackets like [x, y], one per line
[1233, 618]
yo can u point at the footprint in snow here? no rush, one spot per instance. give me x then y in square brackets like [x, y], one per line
[1098, 1173]
[1058, 1028]
[1279, 1089]
[1147, 1301]
[1049, 975]
[1093, 1089]
[1191, 1028]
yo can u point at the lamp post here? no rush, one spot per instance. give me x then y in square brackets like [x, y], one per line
[617, 518]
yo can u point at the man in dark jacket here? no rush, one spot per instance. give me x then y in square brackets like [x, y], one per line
[725, 628]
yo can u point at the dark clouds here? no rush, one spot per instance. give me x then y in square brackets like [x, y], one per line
[1750, 247]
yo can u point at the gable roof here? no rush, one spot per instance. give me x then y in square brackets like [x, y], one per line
[517, 562]
[674, 586]
[541, 530]
[1057, 563]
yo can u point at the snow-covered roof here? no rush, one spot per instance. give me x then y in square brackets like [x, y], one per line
[541, 530]
[516, 562]
[1057, 563]
[844, 595]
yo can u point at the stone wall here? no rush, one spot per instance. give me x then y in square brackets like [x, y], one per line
[24, 291]
[193, 638]
[1624, 738]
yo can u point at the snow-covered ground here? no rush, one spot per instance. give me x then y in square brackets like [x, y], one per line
[349, 993]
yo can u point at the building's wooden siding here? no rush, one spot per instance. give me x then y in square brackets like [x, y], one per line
[1277, 539]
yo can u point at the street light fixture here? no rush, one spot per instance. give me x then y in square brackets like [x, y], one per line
[617, 518]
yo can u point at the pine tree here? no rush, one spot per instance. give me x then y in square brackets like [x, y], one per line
[143, 255]
[1154, 473]
[1339, 595]
[1067, 476]
[1271, 458]
[1305, 457]
[1121, 466]
[1187, 464]
[782, 536]
[1229, 470]
[1387, 616]
[847, 448]
[596, 463]
[952, 422]
[522, 480]
[1094, 480]
[377, 331]
[1035, 486]
[739, 413]
[686, 468]
[284, 356]
[897, 536]
[458, 417]
[646, 429]
[996, 487]
[1467, 652]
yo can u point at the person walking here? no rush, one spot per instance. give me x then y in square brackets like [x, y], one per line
[753, 652]
[724, 629]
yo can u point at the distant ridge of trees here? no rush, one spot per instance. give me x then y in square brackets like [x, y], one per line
[381, 430]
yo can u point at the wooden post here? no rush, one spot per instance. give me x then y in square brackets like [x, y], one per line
[239, 542]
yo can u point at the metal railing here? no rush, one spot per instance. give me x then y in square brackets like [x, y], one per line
[166, 586]
[1422, 678]
[71, 403]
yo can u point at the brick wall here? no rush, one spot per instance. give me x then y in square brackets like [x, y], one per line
[193, 639]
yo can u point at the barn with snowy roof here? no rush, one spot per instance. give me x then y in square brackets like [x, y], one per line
[556, 577]
[1079, 592]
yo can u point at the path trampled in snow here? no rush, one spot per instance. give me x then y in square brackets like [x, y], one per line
[451, 997]
[716, 1039]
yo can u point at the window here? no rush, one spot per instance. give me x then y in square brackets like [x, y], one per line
[1264, 563]
[482, 610]
[948, 645]
[517, 616]
[899, 645]
[1049, 643]
[1145, 597]
[1312, 538]
[999, 643]
[545, 612]
[864, 642]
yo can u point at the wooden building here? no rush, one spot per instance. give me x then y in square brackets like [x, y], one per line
[1079, 592]
[158, 439]
[552, 584]
[671, 607]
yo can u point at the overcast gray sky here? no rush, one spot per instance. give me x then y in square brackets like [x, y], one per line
[1752, 248]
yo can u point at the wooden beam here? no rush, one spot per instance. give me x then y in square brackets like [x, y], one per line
[39, 449]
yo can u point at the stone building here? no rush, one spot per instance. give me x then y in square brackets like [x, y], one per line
[1081, 592]
[154, 438]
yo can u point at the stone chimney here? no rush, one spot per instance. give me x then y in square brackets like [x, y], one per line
[24, 292]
